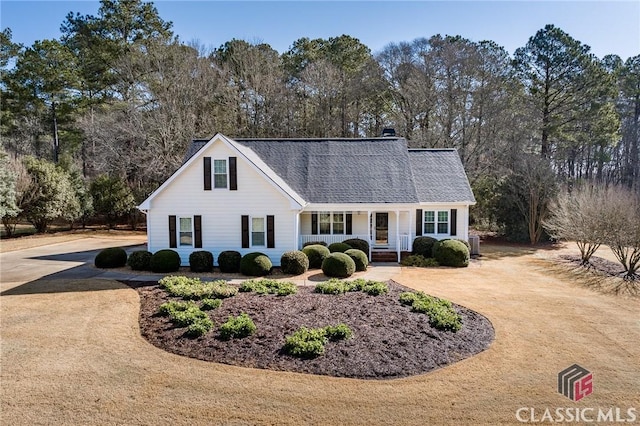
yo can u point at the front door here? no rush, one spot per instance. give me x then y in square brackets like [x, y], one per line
[382, 229]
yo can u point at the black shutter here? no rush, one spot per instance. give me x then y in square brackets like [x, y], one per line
[245, 231]
[197, 227]
[233, 174]
[271, 236]
[349, 224]
[418, 222]
[207, 173]
[172, 232]
[314, 223]
[453, 222]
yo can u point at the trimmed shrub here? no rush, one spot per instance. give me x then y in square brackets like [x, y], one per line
[199, 327]
[305, 343]
[255, 264]
[114, 257]
[358, 244]
[165, 261]
[451, 253]
[339, 247]
[201, 261]
[338, 265]
[238, 327]
[315, 243]
[187, 314]
[336, 286]
[440, 312]
[359, 258]
[229, 261]
[140, 260]
[210, 304]
[375, 288]
[337, 332]
[294, 262]
[333, 286]
[265, 286]
[316, 254]
[419, 261]
[423, 246]
[193, 288]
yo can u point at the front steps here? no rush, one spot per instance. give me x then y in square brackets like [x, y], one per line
[384, 256]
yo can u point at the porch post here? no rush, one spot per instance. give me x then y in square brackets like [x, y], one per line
[410, 246]
[296, 233]
[369, 233]
[398, 234]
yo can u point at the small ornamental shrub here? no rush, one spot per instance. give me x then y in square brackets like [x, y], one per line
[316, 254]
[337, 332]
[114, 257]
[375, 288]
[358, 244]
[294, 262]
[440, 312]
[451, 253]
[238, 327]
[339, 247]
[165, 261]
[420, 261]
[140, 260]
[359, 258]
[264, 286]
[193, 288]
[336, 286]
[229, 261]
[310, 342]
[423, 246]
[210, 304]
[314, 243]
[333, 286]
[255, 264]
[168, 308]
[338, 265]
[201, 261]
[199, 327]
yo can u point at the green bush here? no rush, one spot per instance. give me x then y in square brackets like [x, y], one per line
[337, 332]
[333, 286]
[229, 261]
[114, 257]
[265, 286]
[338, 265]
[375, 288]
[310, 342]
[238, 327]
[315, 243]
[423, 246]
[451, 253]
[316, 254]
[201, 261]
[168, 308]
[165, 261]
[255, 264]
[140, 260]
[440, 312]
[339, 247]
[200, 327]
[358, 244]
[359, 258]
[336, 286]
[210, 304]
[193, 288]
[294, 262]
[420, 261]
[187, 314]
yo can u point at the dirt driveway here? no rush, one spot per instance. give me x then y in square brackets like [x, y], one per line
[71, 353]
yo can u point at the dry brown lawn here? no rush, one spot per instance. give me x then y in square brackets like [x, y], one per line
[71, 353]
[37, 240]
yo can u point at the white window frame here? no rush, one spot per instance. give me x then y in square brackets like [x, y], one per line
[264, 231]
[332, 223]
[226, 174]
[180, 231]
[436, 222]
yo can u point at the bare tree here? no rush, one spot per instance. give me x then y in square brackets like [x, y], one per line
[622, 217]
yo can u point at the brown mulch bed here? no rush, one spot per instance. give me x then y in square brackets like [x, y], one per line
[596, 264]
[389, 341]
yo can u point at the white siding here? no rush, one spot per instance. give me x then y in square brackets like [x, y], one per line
[221, 209]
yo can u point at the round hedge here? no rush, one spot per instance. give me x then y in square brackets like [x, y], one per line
[229, 261]
[339, 247]
[165, 261]
[423, 246]
[140, 260]
[338, 265]
[314, 243]
[359, 258]
[255, 264]
[316, 254]
[114, 257]
[358, 243]
[201, 261]
[451, 253]
[294, 262]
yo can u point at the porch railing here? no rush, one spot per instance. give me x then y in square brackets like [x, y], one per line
[404, 243]
[329, 239]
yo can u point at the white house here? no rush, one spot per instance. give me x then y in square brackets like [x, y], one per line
[273, 195]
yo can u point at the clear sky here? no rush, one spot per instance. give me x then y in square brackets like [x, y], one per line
[607, 26]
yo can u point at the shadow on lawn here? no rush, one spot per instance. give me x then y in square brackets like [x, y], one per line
[48, 286]
[495, 249]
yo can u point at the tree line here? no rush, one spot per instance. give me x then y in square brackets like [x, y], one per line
[119, 96]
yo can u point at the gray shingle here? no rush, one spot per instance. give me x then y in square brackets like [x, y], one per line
[439, 176]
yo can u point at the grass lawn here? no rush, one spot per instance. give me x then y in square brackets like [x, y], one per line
[71, 354]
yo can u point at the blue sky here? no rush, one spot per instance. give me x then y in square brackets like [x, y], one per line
[608, 27]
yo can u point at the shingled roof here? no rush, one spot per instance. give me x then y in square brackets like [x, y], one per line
[375, 170]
